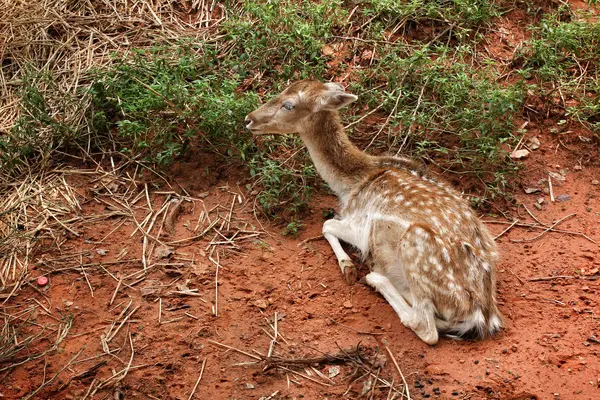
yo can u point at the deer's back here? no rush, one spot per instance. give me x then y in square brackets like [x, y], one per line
[444, 236]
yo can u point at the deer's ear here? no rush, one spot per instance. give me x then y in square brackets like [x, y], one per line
[334, 100]
[334, 86]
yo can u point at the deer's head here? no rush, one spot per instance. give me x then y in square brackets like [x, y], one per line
[293, 108]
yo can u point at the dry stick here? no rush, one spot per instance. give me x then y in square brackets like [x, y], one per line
[545, 230]
[112, 299]
[550, 188]
[217, 265]
[204, 232]
[399, 371]
[363, 117]
[54, 377]
[274, 341]
[304, 376]
[111, 337]
[198, 381]
[389, 116]
[533, 226]
[85, 275]
[533, 216]
[159, 309]
[237, 350]
[516, 221]
[550, 278]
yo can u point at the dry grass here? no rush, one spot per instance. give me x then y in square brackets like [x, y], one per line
[37, 211]
[69, 39]
[72, 38]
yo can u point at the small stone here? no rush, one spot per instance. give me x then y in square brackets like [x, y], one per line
[476, 362]
[347, 304]
[578, 168]
[418, 384]
[514, 348]
[557, 176]
[531, 190]
[248, 386]
[68, 303]
[537, 205]
[541, 200]
[533, 143]
[595, 182]
[42, 281]
[455, 393]
[504, 351]
[518, 154]
[334, 371]
[262, 304]
[102, 252]
[563, 198]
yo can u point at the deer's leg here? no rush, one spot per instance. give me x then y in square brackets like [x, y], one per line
[419, 318]
[333, 231]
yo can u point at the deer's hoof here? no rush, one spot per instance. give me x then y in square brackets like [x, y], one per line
[349, 271]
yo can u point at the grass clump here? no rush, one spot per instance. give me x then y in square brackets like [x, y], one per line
[283, 39]
[157, 102]
[563, 57]
[461, 16]
[446, 111]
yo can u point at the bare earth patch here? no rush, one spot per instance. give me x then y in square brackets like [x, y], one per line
[169, 316]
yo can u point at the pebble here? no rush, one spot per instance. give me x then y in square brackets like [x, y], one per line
[418, 384]
[563, 198]
[348, 304]
[595, 182]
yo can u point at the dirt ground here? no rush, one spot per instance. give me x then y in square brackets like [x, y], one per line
[548, 285]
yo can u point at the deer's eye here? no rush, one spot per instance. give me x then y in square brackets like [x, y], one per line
[288, 105]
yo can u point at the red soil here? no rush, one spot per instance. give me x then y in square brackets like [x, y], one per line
[548, 350]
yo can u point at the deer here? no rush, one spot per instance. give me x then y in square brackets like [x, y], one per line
[430, 256]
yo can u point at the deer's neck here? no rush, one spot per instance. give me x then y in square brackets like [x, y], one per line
[340, 163]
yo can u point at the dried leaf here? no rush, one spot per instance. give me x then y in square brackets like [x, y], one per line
[163, 252]
[334, 371]
[533, 143]
[262, 304]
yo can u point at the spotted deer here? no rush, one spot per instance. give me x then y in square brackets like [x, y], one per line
[431, 257]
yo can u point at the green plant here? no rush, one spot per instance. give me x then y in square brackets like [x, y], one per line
[562, 56]
[462, 16]
[446, 111]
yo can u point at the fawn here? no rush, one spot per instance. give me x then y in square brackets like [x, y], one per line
[431, 257]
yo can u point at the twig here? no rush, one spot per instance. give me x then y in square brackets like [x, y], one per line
[234, 349]
[399, 371]
[32, 394]
[112, 299]
[550, 278]
[516, 221]
[198, 381]
[550, 188]
[545, 230]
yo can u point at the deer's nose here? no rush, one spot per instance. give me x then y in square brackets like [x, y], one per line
[248, 121]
